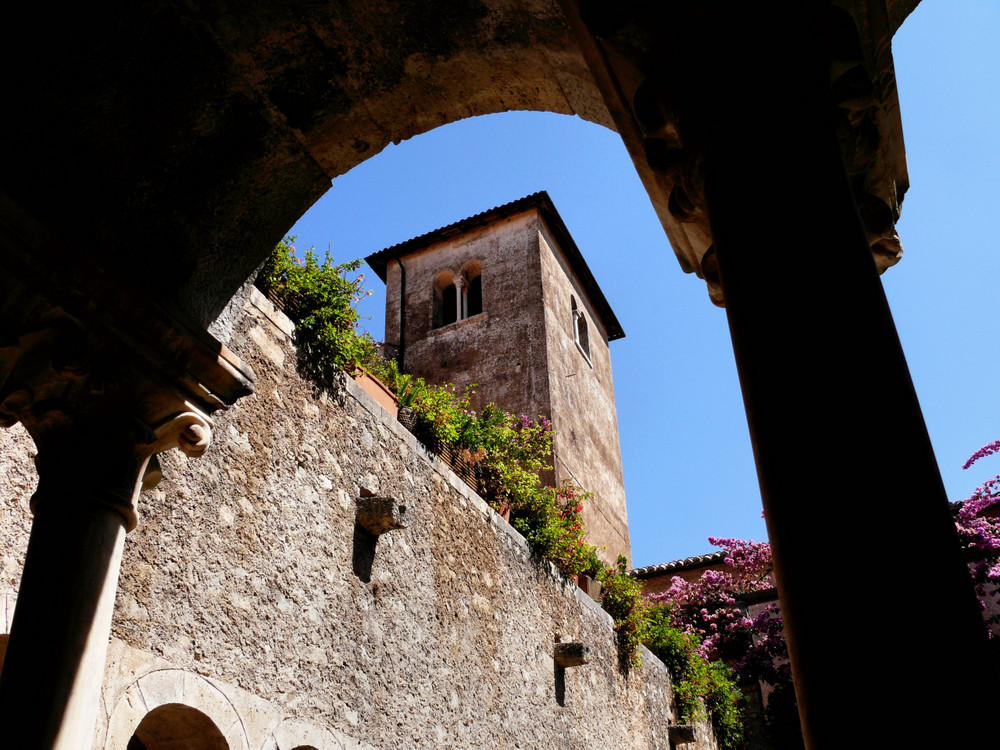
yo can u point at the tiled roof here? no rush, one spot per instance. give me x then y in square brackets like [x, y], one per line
[651, 571]
[543, 203]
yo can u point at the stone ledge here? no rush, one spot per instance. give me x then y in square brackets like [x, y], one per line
[278, 319]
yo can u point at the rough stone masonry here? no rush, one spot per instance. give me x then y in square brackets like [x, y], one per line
[239, 596]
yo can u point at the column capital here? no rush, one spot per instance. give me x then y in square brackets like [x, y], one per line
[97, 420]
[103, 379]
[670, 90]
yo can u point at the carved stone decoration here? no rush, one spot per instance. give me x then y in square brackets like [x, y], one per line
[645, 66]
[90, 414]
[190, 430]
[102, 379]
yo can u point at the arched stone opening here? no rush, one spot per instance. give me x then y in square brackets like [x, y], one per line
[242, 131]
[473, 274]
[174, 726]
[445, 296]
[581, 333]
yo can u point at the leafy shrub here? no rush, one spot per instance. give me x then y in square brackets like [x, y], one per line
[320, 297]
[702, 689]
[442, 412]
[552, 523]
[622, 599]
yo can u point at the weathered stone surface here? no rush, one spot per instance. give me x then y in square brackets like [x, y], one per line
[237, 593]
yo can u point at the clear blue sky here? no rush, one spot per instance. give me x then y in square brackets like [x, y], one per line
[689, 471]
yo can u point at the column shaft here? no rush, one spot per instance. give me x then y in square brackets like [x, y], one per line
[879, 608]
[50, 687]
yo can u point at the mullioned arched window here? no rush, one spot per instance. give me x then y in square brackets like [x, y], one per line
[457, 297]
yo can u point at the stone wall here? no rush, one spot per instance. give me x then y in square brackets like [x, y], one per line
[582, 394]
[240, 594]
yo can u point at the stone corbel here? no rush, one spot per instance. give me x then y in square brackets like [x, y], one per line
[190, 431]
[645, 57]
[570, 654]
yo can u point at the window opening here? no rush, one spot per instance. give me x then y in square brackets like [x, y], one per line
[449, 305]
[457, 297]
[580, 332]
[474, 296]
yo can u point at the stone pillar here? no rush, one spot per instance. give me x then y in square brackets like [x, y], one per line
[101, 389]
[51, 682]
[879, 608]
[460, 302]
[91, 471]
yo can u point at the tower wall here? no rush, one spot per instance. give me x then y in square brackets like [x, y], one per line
[503, 349]
[582, 401]
[521, 351]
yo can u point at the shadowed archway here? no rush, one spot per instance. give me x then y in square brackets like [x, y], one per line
[210, 132]
[174, 726]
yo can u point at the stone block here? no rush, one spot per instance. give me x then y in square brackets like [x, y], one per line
[570, 654]
[378, 515]
[682, 734]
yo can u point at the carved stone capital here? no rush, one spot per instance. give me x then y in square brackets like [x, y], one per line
[103, 391]
[674, 75]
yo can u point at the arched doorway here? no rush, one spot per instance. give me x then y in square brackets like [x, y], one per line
[174, 726]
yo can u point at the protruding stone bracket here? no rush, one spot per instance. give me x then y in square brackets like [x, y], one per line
[571, 654]
[565, 655]
[682, 734]
[375, 515]
[378, 514]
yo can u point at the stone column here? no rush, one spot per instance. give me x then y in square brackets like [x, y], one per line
[879, 608]
[460, 302]
[101, 390]
[91, 470]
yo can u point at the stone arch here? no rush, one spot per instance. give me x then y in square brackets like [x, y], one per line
[230, 127]
[444, 307]
[174, 687]
[174, 726]
[581, 331]
[298, 734]
[472, 272]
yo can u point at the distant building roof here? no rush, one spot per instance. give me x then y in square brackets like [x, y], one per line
[651, 571]
[540, 201]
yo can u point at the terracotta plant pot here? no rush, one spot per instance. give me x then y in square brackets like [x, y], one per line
[589, 586]
[378, 391]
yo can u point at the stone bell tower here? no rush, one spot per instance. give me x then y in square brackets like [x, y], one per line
[505, 300]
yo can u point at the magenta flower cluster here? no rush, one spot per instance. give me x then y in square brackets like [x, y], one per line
[709, 608]
[987, 450]
[979, 533]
